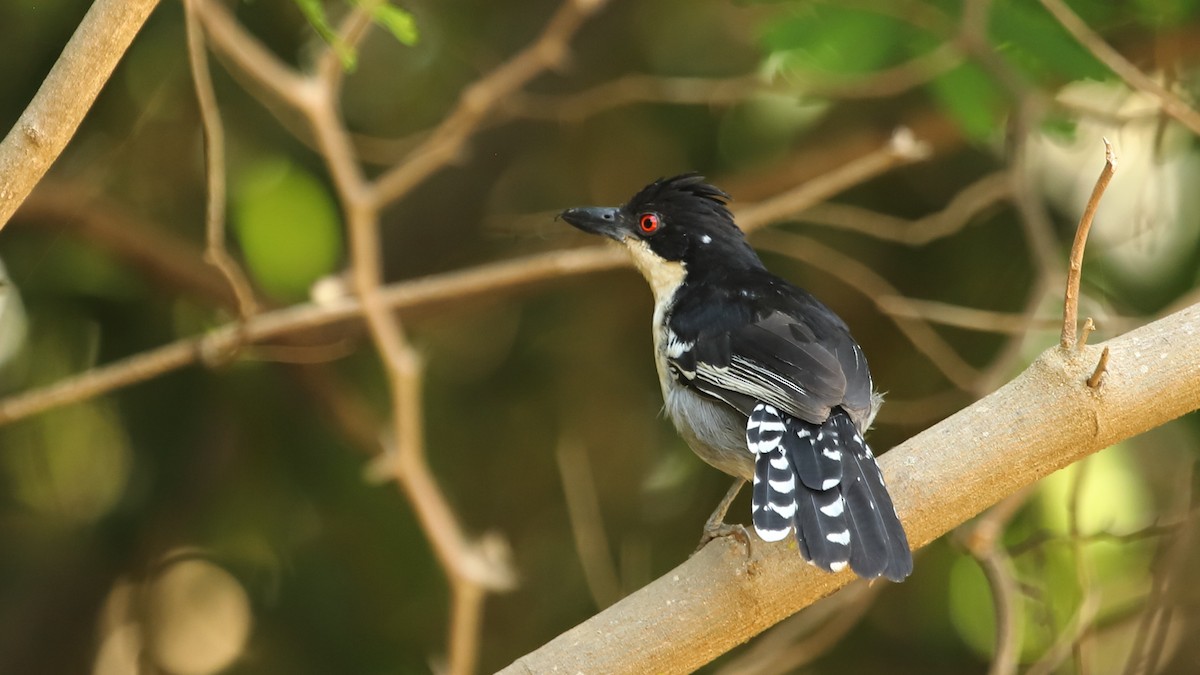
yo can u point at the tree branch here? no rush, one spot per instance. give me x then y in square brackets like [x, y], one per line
[1038, 423]
[66, 95]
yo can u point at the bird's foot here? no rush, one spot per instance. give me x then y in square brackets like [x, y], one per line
[716, 530]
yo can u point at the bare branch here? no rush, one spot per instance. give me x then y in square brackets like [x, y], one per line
[982, 541]
[66, 95]
[902, 149]
[587, 525]
[970, 318]
[479, 99]
[962, 208]
[214, 156]
[1074, 272]
[267, 73]
[939, 479]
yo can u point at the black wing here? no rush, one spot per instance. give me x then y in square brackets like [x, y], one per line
[783, 348]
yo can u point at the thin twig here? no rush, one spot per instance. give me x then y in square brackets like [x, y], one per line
[1136, 79]
[1074, 533]
[1074, 272]
[982, 541]
[903, 148]
[1089, 326]
[967, 204]
[587, 524]
[482, 97]
[1098, 373]
[214, 158]
[969, 318]
[267, 72]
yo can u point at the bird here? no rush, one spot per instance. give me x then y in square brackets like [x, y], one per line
[762, 380]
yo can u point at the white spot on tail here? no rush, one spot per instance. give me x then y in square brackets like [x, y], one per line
[772, 535]
[835, 509]
[784, 486]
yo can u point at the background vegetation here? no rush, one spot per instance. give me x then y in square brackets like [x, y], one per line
[241, 514]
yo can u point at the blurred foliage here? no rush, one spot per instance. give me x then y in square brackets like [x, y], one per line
[394, 20]
[287, 226]
[230, 496]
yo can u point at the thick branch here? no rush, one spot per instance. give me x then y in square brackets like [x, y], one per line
[67, 93]
[1040, 422]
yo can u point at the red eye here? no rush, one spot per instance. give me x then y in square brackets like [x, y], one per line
[649, 223]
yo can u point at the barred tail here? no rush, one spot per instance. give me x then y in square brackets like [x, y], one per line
[821, 481]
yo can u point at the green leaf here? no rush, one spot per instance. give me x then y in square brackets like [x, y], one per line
[396, 21]
[1037, 43]
[835, 40]
[287, 226]
[314, 12]
[972, 99]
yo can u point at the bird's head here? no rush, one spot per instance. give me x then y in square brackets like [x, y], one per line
[671, 226]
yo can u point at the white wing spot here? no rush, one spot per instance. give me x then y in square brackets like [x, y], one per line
[830, 483]
[835, 455]
[842, 537]
[837, 566]
[704, 238]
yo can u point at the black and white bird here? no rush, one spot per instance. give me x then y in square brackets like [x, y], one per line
[762, 380]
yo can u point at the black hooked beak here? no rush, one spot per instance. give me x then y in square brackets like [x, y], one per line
[604, 220]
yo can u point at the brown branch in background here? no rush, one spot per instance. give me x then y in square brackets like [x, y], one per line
[172, 264]
[490, 280]
[633, 89]
[861, 277]
[903, 148]
[482, 97]
[351, 31]
[214, 159]
[1136, 79]
[1074, 272]
[65, 96]
[587, 524]
[1170, 566]
[267, 72]
[472, 568]
[962, 208]
[969, 318]
[1071, 638]
[629, 90]
[982, 541]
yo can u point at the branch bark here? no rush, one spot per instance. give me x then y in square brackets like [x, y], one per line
[66, 95]
[1038, 423]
